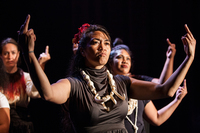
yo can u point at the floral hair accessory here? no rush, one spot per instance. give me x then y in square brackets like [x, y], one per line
[78, 35]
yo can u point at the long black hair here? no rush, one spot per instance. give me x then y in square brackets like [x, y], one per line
[3, 76]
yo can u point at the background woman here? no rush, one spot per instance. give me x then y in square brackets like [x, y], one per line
[120, 63]
[22, 94]
[97, 101]
[20, 88]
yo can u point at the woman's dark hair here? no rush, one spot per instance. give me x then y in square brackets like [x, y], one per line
[3, 76]
[10, 40]
[78, 60]
[117, 41]
[118, 45]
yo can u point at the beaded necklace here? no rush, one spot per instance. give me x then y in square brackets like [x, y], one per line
[133, 104]
[106, 98]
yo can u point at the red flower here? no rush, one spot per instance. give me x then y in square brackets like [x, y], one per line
[81, 30]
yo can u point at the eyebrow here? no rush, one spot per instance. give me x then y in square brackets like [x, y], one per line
[10, 50]
[99, 39]
[124, 55]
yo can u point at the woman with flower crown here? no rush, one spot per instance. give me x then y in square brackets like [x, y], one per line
[120, 63]
[97, 101]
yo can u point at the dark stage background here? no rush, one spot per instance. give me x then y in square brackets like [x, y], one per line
[143, 25]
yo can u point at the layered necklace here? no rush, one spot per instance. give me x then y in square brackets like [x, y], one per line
[102, 100]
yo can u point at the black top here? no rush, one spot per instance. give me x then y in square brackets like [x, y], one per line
[141, 106]
[89, 116]
[140, 122]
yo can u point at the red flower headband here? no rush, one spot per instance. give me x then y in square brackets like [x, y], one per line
[78, 35]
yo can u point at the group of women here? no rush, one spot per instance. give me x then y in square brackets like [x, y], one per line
[100, 90]
[120, 63]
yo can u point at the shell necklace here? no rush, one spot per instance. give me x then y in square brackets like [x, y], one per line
[106, 98]
[133, 104]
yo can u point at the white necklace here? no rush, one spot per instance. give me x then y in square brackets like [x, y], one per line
[133, 104]
[97, 98]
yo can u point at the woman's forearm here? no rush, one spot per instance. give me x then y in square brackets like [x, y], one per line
[167, 70]
[149, 90]
[57, 92]
[172, 84]
[4, 120]
[39, 78]
[166, 112]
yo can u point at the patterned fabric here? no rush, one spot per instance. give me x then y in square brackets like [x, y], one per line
[20, 88]
[16, 90]
[18, 93]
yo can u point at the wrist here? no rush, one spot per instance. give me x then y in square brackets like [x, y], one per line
[31, 51]
[178, 99]
[190, 57]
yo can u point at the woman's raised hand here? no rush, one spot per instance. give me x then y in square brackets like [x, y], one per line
[44, 57]
[27, 36]
[189, 42]
[182, 91]
[171, 51]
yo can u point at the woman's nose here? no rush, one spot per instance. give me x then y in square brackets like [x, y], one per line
[124, 60]
[101, 46]
[9, 55]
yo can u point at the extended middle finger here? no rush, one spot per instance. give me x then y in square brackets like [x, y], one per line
[26, 23]
[188, 31]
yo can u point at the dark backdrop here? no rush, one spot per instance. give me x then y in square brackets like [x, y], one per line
[143, 25]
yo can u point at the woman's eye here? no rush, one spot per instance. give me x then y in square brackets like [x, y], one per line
[6, 53]
[119, 57]
[107, 43]
[96, 42]
[128, 59]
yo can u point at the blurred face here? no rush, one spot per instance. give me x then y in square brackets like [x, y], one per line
[10, 55]
[121, 62]
[97, 50]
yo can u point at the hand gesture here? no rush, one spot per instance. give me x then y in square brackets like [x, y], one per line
[171, 51]
[27, 37]
[181, 92]
[44, 57]
[189, 42]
